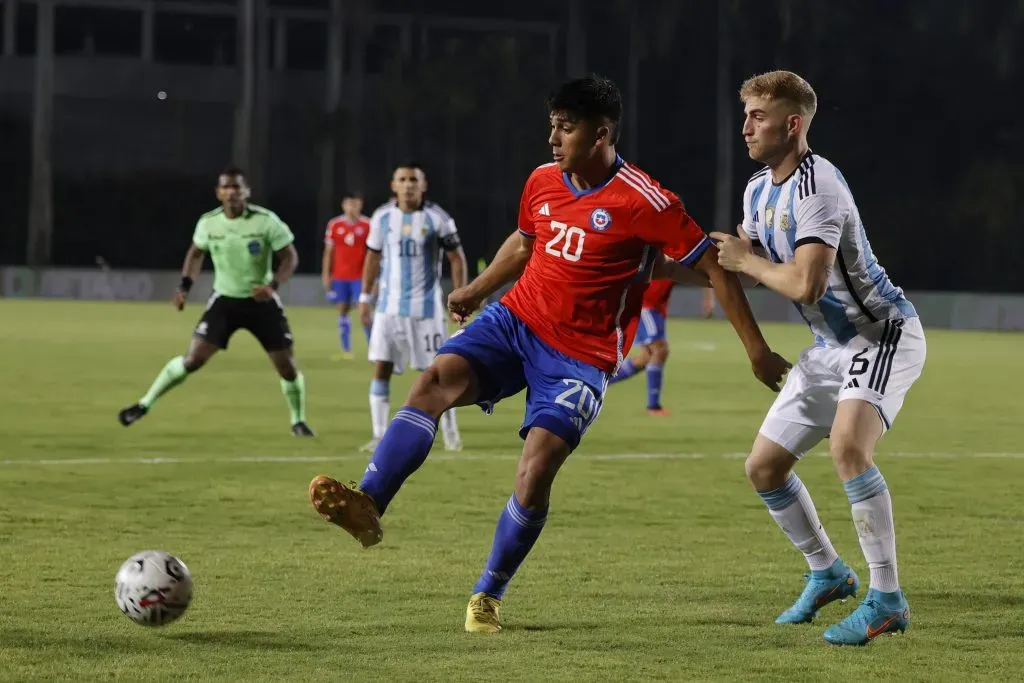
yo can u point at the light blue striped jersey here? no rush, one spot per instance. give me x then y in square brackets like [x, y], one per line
[815, 205]
[411, 245]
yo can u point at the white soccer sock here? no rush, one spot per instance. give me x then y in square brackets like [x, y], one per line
[380, 406]
[871, 507]
[793, 510]
[449, 427]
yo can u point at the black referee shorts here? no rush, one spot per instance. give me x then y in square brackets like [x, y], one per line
[264, 319]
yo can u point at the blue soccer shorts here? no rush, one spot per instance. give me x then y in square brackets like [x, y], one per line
[344, 291]
[652, 327]
[564, 395]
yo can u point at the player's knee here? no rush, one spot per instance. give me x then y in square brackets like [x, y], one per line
[765, 473]
[849, 454]
[429, 394]
[659, 352]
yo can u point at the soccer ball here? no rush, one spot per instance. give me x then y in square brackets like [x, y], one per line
[153, 588]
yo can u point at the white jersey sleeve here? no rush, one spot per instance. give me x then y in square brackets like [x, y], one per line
[748, 225]
[447, 233]
[819, 219]
[820, 210]
[378, 228]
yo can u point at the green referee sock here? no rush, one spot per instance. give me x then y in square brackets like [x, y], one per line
[173, 374]
[295, 394]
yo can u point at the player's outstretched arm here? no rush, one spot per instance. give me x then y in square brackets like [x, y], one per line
[669, 269]
[803, 280]
[508, 264]
[768, 366]
[189, 272]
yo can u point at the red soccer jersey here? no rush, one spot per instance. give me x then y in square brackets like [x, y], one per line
[593, 256]
[657, 294]
[349, 242]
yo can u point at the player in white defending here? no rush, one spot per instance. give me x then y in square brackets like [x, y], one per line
[407, 236]
[868, 350]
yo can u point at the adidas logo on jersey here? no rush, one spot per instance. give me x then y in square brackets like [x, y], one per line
[545, 210]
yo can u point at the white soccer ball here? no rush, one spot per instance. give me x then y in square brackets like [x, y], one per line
[153, 588]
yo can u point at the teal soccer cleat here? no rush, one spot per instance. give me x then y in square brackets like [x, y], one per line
[879, 613]
[838, 582]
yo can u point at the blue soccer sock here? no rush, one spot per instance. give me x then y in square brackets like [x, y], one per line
[345, 329]
[518, 529]
[654, 375]
[626, 370]
[403, 449]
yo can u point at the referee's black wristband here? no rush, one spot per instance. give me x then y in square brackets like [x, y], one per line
[274, 284]
[186, 284]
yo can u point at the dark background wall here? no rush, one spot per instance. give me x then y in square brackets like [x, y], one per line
[915, 106]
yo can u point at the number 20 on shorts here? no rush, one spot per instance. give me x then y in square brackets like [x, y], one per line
[578, 397]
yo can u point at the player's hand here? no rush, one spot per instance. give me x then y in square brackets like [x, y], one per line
[769, 367]
[262, 293]
[733, 251]
[366, 314]
[179, 300]
[327, 284]
[462, 303]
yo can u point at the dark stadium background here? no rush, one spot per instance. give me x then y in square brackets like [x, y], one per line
[916, 107]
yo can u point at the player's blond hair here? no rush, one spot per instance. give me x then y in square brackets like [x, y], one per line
[782, 85]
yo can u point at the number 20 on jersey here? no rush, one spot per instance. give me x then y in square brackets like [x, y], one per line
[567, 242]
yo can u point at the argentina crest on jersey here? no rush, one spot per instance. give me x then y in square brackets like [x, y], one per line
[600, 219]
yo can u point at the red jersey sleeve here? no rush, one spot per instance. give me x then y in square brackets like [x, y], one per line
[671, 230]
[329, 234]
[525, 220]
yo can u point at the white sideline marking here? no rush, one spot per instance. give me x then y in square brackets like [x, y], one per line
[461, 456]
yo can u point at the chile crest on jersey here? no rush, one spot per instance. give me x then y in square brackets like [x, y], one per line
[600, 219]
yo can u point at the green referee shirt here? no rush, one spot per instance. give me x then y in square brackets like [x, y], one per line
[241, 248]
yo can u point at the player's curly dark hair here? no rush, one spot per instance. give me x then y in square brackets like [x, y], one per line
[591, 98]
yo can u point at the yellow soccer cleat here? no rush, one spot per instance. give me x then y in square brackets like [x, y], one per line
[348, 507]
[482, 614]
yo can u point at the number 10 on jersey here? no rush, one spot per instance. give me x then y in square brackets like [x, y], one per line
[567, 242]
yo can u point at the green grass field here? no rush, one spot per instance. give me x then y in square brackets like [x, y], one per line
[664, 567]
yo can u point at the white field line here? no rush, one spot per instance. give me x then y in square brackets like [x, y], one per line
[362, 457]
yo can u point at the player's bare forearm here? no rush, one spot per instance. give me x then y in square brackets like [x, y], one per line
[371, 271]
[193, 262]
[803, 279]
[730, 295]
[288, 261]
[508, 264]
[792, 280]
[457, 260]
[669, 269]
